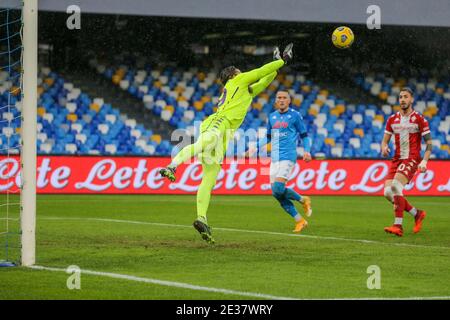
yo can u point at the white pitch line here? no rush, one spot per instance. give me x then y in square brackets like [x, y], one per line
[219, 290]
[10, 204]
[170, 283]
[12, 219]
[250, 231]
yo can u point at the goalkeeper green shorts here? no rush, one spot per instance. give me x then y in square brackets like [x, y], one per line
[216, 132]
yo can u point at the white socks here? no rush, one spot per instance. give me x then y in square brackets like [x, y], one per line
[413, 212]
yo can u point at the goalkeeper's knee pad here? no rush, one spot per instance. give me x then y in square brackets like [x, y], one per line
[278, 189]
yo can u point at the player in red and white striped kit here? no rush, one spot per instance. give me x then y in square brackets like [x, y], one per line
[408, 127]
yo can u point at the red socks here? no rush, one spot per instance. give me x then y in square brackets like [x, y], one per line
[399, 206]
[408, 206]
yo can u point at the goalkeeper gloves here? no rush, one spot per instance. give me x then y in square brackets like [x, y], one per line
[276, 54]
[287, 53]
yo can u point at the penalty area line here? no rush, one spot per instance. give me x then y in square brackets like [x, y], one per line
[169, 283]
[219, 290]
[250, 231]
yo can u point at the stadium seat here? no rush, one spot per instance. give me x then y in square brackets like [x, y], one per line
[111, 148]
[46, 148]
[71, 148]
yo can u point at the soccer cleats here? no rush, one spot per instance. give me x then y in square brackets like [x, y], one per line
[420, 215]
[204, 230]
[168, 173]
[398, 229]
[395, 229]
[300, 225]
[306, 203]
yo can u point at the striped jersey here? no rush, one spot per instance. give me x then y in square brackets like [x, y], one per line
[408, 132]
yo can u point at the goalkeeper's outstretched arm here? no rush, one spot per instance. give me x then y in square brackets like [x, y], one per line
[250, 77]
[262, 84]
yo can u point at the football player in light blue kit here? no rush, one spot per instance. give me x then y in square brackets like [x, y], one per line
[284, 128]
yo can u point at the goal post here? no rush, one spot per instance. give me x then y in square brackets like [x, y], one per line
[29, 128]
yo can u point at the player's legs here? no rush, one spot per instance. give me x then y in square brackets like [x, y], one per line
[408, 169]
[397, 185]
[212, 131]
[401, 204]
[211, 160]
[280, 171]
[388, 191]
[207, 140]
[279, 193]
[210, 172]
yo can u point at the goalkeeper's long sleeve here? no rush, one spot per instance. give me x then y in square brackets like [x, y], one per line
[262, 84]
[254, 75]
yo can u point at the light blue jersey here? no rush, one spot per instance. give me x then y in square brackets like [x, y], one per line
[283, 130]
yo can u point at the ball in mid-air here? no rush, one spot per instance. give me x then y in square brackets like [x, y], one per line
[342, 37]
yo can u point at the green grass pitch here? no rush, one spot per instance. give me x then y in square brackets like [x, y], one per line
[151, 237]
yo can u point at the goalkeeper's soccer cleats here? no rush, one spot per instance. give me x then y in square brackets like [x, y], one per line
[420, 215]
[306, 202]
[300, 225]
[395, 229]
[169, 173]
[204, 230]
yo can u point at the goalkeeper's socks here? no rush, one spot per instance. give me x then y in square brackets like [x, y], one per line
[298, 217]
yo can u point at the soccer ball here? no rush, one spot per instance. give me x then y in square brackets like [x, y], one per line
[342, 37]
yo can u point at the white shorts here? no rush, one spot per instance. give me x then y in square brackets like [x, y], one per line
[281, 169]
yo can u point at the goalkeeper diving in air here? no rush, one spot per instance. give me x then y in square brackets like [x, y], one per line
[239, 90]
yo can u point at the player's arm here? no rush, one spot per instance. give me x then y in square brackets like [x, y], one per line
[426, 134]
[262, 84]
[427, 154]
[260, 144]
[247, 78]
[263, 143]
[300, 126]
[386, 138]
[385, 144]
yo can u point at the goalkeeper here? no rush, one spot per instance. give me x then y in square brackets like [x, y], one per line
[210, 147]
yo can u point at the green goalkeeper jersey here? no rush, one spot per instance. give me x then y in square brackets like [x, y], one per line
[240, 91]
